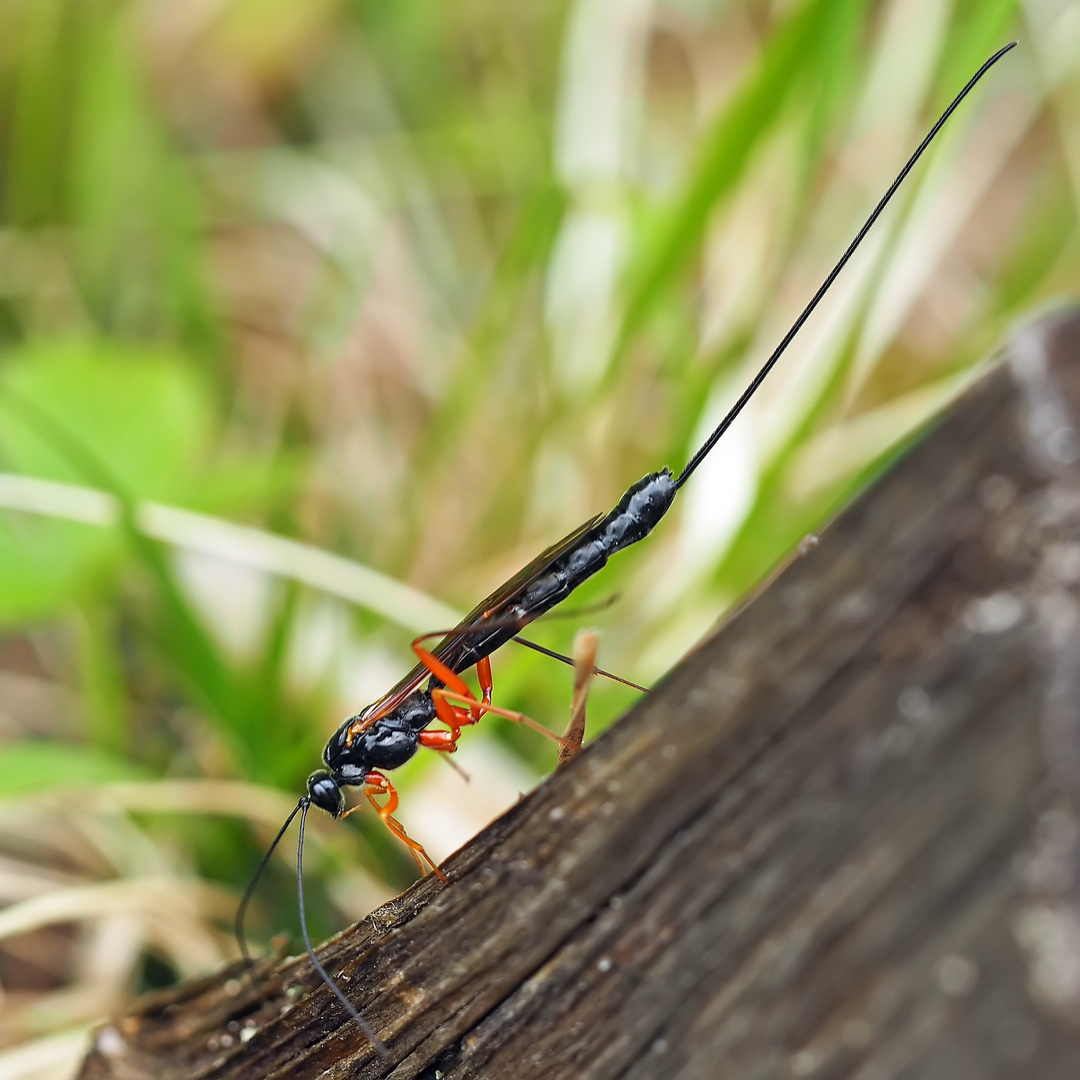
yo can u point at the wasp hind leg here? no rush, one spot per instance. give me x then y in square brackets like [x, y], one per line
[457, 706]
[455, 717]
[448, 696]
[377, 785]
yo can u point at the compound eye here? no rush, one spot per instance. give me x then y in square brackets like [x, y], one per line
[325, 793]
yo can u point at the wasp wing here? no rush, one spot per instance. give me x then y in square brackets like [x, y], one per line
[495, 605]
[454, 647]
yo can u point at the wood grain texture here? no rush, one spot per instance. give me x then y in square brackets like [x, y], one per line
[840, 840]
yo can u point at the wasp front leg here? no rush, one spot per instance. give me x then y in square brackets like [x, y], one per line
[377, 784]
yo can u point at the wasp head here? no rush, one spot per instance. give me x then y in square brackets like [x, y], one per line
[324, 792]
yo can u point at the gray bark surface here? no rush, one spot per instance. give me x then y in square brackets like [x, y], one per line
[840, 840]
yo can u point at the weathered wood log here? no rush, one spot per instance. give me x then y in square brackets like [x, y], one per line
[840, 840]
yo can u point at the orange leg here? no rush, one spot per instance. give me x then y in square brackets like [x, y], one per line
[448, 695]
[455, 689]
[380, 785]
[440, 740]
[483, 673]
[453, 680]
[455, 718]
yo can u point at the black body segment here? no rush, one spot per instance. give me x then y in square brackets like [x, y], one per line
[635, 516]
[386, 734]
[387, 744]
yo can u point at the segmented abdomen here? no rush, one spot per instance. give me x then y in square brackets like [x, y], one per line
[635, 516]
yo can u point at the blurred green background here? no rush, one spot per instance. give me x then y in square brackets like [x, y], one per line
[319, 319]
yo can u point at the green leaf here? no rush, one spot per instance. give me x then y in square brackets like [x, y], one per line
[145, 414]
[45, 565]
[36, 767]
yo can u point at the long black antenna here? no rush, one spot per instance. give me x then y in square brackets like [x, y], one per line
[303, 806]
[759, 378]
[249, 892]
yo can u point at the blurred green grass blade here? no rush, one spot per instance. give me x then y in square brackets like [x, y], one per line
[1038, 247]
[522, 260]
[978, 28]
[266, 736]
[131, 425]
[46, 565]
[33, 768]
[837, 68]
[239, 485]
[180, 636]
[724, 153]
[106, 718]
[138, 246]
[280, 738]
[34, 195]
[29, 498]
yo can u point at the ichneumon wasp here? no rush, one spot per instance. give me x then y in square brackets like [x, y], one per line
[390, 731]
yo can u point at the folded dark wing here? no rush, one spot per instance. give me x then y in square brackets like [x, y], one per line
[453, 649]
